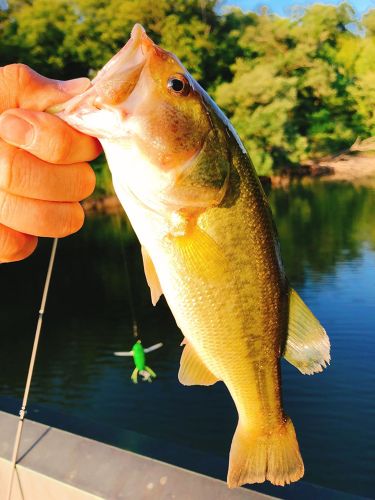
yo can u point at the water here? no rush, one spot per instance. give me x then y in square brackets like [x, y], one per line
[327, 235]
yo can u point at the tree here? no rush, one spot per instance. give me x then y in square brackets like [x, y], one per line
[289, 97]
[66, 39]
[361, 55]
[295, 88]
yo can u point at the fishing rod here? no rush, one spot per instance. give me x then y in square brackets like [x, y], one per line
[23, 410]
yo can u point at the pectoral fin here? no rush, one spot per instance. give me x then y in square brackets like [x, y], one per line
[307, 346]
[151, 277]
[200, 255]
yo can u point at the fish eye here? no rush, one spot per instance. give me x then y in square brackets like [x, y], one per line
[178, 84]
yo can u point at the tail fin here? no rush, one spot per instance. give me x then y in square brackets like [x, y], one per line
[274, 456]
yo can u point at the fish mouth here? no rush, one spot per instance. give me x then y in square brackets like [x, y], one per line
[118, 77]
[111, 86]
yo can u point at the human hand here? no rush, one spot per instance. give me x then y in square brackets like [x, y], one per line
[43, 162]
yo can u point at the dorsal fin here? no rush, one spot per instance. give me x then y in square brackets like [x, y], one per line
[151, 277]
[307, 345]
[192, 369]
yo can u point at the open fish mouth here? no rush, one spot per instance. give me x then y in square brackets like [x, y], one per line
[116, 80]
[110, 88]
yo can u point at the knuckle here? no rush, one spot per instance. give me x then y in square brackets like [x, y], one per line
[15, 174]
[16, 72]
[60, 147]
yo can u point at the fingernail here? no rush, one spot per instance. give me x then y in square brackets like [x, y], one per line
[75, 86]
[15, 130]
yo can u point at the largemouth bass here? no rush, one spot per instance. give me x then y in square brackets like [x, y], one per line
[208, 243]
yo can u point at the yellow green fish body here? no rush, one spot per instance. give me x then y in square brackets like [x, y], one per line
[223, 281]
[209, 244]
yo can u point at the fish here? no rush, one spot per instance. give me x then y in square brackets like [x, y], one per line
[209, 244]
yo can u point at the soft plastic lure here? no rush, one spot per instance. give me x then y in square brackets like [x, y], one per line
[139, 356]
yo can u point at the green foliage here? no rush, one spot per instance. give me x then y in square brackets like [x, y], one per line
[68, 39]
[295, 88]
[290, 96]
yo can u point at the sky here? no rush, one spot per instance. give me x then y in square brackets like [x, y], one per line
[281, 7]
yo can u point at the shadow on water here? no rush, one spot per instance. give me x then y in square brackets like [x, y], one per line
[328, 243]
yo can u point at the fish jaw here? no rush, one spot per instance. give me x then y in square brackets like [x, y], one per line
[101, 111]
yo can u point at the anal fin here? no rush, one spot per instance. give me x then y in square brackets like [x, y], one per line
[192, 369]
[307, 346]
[151, 277]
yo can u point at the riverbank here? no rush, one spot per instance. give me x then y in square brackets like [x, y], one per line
[347, 167]
[351, 169]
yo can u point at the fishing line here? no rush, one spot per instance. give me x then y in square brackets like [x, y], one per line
[129, 284]
[22, 413]
[137, 352]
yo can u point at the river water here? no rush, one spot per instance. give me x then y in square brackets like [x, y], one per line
[327, 234]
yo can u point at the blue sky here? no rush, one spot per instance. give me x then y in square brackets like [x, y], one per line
[281, 6]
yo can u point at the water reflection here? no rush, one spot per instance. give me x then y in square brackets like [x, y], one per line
[321, 225]
[328, 241]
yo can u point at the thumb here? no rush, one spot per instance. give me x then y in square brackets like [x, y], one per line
[45, 92]
[60, 91]
[70, 88]
[22, 87]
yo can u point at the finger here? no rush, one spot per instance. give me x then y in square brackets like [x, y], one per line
[23, 174]
[14, 245]
[22, 87]
[40, 218]
[47, 137]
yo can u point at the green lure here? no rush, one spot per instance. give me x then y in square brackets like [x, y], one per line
[139, 356]
[140, 364]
